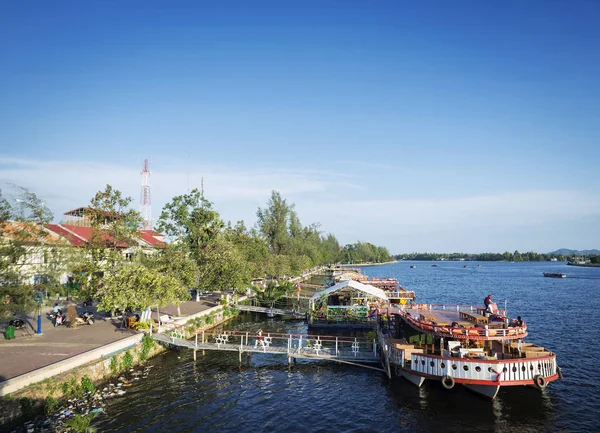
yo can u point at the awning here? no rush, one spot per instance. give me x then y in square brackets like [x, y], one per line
[365, 288]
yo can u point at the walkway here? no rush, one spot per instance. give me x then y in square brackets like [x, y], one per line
[348, 350]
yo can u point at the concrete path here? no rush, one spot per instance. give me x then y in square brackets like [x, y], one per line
[29, 352]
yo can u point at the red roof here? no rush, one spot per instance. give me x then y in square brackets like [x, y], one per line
[150, 236]
[79, 235]
[87, 209]
[59, 230]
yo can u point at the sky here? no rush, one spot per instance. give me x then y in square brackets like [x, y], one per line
[428, 126]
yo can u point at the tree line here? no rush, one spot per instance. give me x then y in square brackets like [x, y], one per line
[530, 256]
[202, 251]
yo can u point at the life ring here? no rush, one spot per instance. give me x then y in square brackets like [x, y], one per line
[539, 381]
[444, 330]
[473, 332]
[448, 382]
[559, 372]
[456, 331]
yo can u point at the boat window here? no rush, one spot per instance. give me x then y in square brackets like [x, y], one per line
[490, 369]
[432, 363]
[504, 370]
[442, 365]
[478, 369]
[423, 362]
[523, 368]
[514, 369]
[453, 366]
[531, 367]
[466, 367]
[539, 366]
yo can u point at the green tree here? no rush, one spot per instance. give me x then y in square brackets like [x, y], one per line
[222, 266]
[22, 239]
[273, 222]
[191, 220]
[114, 227]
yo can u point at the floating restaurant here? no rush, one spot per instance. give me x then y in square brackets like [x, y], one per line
[348, 304]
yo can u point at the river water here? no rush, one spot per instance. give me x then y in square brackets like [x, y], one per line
[216, 393]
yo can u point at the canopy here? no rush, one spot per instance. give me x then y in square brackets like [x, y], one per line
[365, 288]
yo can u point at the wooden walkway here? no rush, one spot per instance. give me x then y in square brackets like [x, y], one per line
[345, 350]
[256, 309]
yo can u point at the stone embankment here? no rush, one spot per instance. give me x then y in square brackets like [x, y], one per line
[55, 394]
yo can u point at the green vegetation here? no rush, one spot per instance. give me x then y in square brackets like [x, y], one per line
[203, 253]
[114, 364]
[529, 256]
[127, 361]
[82, 423]
[147, 345]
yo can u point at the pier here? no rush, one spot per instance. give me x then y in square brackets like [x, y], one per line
[346, 350]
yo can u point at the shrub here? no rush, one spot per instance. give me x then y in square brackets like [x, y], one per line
[87, 384]
[147, 344]
[27, 407]
[127, 361]
[82, 423]
[65, 389]
[114, 364]
[50, 405]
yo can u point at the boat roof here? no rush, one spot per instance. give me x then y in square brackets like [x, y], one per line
[365, 288]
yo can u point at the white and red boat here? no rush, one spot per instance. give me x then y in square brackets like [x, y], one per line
[462, 345]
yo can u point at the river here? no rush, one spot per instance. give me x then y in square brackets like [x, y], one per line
[216, 393]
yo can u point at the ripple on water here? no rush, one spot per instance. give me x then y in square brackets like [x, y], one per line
[217, 394]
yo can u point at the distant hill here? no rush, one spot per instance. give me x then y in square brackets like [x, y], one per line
[568, 252]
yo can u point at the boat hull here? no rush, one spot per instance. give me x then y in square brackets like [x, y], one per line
[489, 391]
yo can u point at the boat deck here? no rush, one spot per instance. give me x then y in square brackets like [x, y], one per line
[445, 317]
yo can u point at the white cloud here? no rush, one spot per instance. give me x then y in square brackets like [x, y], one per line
[330, 197]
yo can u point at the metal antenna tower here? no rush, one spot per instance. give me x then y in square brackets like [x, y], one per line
[145, 208]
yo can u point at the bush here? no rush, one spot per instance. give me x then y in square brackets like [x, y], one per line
[65, 390]
[82, 423]
[127, 361]
[147, 344]
[87, 384]
[27, 407]
[114, 365]
[50, 405]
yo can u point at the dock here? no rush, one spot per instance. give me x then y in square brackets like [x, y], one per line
[346, 350]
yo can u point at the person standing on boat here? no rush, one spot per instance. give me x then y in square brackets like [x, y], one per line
[488, 303]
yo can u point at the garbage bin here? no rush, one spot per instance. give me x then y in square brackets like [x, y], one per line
[9, 333]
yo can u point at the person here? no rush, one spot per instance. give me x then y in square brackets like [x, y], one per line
[259, 338]
[516, 323]
[56, 309]
[71, 314]
[488, 303]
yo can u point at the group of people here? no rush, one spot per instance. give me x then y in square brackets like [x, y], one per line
[490, 308]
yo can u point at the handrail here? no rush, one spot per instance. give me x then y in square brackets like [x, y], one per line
[466, 333]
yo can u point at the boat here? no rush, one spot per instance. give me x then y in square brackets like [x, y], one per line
[434, 266]
[459, 345]
[413, 266]
[554, 275]
[465, 266]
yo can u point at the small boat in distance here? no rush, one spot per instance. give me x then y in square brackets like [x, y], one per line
[434, 266]
[413, 266]
[465, 266]
[555, 275]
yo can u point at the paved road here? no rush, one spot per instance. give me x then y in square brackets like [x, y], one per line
[28, 352]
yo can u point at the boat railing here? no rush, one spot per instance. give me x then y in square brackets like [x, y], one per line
[463, 333]
[448, 307]
[400, 295]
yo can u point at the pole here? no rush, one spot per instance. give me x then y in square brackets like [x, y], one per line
[39, 321]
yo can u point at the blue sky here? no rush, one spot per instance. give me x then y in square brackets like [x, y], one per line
[422, 126]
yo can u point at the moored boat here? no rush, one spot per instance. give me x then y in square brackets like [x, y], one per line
[555, 275]
[460, 345]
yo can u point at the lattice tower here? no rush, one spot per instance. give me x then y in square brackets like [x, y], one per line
[145, 202]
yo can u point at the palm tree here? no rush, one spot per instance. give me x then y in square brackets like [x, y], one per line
[272, 293]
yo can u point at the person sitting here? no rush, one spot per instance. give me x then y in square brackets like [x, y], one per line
[516, 323]
[56, 309]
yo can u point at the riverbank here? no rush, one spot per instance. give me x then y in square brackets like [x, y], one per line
[34, 391]
[371, 264]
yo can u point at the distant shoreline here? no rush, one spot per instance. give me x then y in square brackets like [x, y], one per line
[370, 264]
[585, 265]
